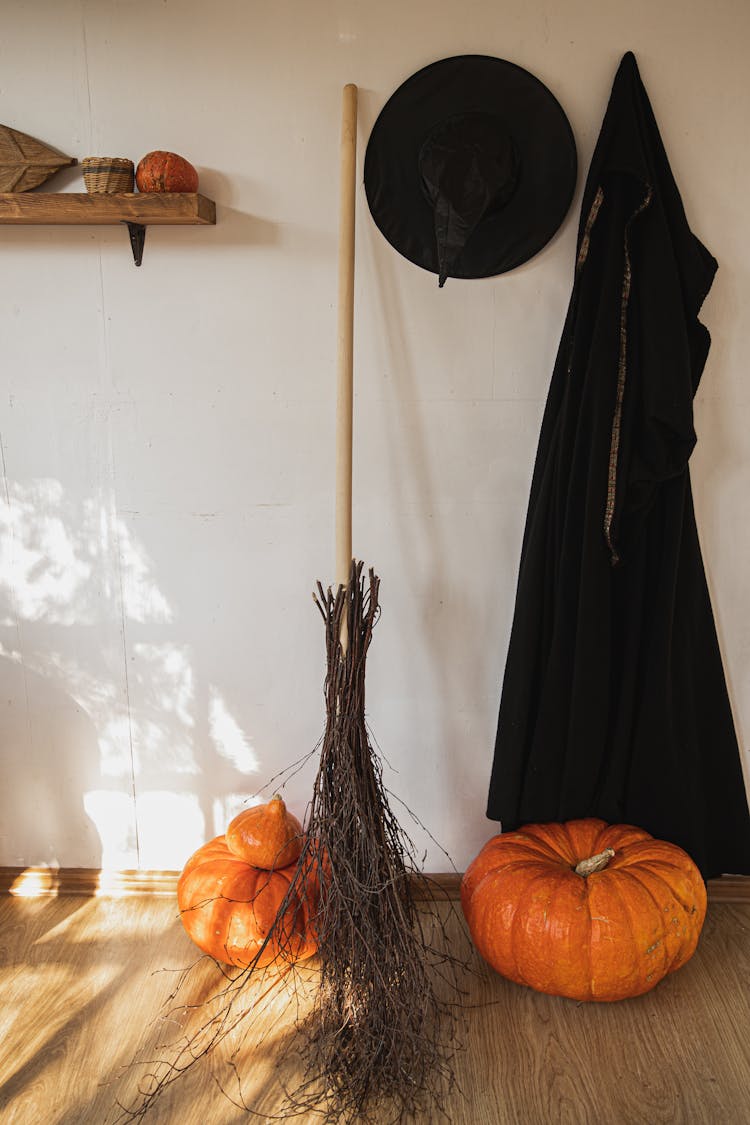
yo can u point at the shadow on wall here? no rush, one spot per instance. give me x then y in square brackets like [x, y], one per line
[117, 752]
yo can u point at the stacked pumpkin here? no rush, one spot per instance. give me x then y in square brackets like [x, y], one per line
[586, 910]
[232, 889]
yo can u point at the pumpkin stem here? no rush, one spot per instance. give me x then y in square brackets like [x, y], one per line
[594, 863]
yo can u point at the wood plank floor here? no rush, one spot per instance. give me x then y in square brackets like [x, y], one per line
[83, 981]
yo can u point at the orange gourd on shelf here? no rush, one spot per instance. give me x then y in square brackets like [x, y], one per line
[165, 171]
[584, 909]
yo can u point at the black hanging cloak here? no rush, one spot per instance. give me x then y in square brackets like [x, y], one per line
[614, 701]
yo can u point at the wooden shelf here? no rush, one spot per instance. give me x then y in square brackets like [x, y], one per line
[27, 208]
[74, 209]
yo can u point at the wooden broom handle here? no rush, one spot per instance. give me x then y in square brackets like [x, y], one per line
[345, 361]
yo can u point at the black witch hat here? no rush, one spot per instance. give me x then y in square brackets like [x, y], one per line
[470, 167]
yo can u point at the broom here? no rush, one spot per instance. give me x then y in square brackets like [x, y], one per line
[377, 1042]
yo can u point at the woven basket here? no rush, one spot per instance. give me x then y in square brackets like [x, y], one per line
[107, 174]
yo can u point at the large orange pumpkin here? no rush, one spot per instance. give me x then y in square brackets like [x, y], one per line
[229, 906]
[584, 909]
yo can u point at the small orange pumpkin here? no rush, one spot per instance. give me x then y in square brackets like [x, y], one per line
[267, 836]
[165, 171]
[229, 907]
[584, 909]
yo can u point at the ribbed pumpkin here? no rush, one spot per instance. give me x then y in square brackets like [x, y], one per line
[266, 835]
[228, 907]
[584, 909]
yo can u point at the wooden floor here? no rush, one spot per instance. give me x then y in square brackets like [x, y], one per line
[83, 980]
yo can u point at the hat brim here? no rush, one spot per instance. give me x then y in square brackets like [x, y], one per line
[541, 134]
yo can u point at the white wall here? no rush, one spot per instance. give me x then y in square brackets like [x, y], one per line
[167, 433]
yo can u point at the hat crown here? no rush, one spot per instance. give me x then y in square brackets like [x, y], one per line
[468, 167]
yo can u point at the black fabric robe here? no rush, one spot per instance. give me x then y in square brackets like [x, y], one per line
[614, 702]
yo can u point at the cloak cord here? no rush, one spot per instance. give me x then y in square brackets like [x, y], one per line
[614, 448]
